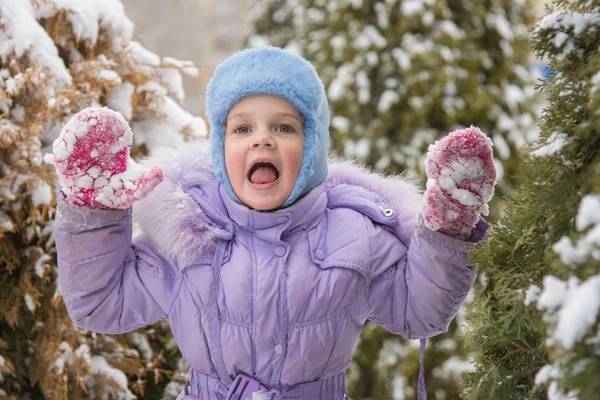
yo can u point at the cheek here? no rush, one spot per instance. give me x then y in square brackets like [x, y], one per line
[293, 155]
[234, 163]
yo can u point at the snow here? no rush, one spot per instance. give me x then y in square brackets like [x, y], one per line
[167, 132]
[29, 302]
[450, 28]
[565, 20]
[554, 144]
[42, 194]
[555, 394]
[91, 17]
[141, 343]
[544, 374]
[363, 83]
[338, 43]
[370, 37]
[173, 389]
[532, 294]
[40, 265]
[501, 25]
[579, 311]
[410, 8]
[501, 146]
[401, 388]
[453, 368]
[402, 58]
[553, 294]
[5, 222]
[22, 34]
[588, 245]
[164, 69]
[588, 213]
[513, 96]
[572, 308]
[337, 87]
[342, 124]
[383, 15]
[99, 365]
[359, 149]
[387, 100]
[559, 39]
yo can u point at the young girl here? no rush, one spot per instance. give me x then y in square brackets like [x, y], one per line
[266, 260]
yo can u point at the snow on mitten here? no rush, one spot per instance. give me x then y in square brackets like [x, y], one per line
[460, 181]
[91, 157]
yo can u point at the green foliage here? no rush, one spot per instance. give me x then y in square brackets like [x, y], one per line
[515, 330]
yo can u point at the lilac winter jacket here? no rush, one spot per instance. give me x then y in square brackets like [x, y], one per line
[278, 296]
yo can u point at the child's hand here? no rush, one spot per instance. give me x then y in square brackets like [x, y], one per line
[91, 157]
[461, 178]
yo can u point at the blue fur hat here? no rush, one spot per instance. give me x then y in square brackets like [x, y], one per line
[278, 72]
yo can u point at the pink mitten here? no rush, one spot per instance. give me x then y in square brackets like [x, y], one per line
[91, 157]
[461, 178]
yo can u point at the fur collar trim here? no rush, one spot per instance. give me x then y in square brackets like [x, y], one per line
[176, 225]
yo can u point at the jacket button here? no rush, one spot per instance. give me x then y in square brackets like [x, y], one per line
[388, 212]
[319, 254]
[280, 251]
[278, 349]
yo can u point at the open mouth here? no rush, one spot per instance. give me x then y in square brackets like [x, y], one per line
[263, 172]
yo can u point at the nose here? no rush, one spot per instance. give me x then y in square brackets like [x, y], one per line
[262, 138]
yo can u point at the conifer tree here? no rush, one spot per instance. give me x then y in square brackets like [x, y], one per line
[536, 322]
[58, 57]
[399, 75]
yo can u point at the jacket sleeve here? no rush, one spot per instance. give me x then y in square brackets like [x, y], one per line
[421, 286]
[109, 284]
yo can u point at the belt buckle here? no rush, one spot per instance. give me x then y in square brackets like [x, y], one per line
[244, 386]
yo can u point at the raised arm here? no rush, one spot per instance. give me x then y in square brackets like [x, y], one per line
[109, 285]
[420, 291]
[419, 294]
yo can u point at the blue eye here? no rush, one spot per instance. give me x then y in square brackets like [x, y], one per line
[241, 129]
[284, 129]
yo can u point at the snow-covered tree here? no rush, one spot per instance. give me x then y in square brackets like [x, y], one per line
[536, 322]
[400, 74]
[58, 57]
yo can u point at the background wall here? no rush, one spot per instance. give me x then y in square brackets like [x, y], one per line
[202, 31]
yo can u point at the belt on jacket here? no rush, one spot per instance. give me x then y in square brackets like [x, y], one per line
[204, 387]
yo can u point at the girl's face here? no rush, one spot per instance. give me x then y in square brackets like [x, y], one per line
[264, 145]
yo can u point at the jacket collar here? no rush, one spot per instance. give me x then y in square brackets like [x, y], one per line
[303, 214]
[181, 230]
[224, 213]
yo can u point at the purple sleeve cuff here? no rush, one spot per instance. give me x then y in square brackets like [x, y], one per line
[79, 218]
[479, 232]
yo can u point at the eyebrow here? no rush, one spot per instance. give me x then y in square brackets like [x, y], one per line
[276, 115]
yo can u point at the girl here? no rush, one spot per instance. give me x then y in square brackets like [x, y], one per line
[266, 260]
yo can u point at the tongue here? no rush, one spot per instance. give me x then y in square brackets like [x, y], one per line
[263, 175]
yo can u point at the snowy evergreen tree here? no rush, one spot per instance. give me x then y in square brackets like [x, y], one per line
[399, 75]
[536, 322]
[58, 57]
